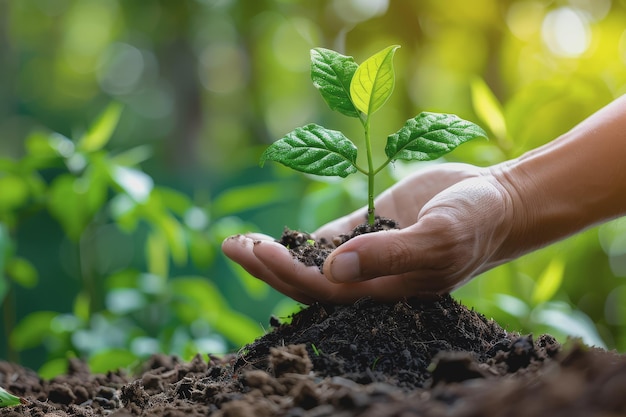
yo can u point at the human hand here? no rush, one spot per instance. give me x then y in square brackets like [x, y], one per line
[454, 218]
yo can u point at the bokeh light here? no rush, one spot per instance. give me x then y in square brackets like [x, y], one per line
[566, 32]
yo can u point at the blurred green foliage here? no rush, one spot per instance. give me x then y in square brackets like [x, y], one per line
[119, 314]
[130, 131]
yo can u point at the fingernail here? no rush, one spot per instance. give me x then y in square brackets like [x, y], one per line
[345, 267]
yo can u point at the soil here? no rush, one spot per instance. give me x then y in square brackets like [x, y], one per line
[411, 358]
[312, 252]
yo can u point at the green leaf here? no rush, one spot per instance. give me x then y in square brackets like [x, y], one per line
[53, 367]
[176, 239]
[7, 399]
[22, 272]
[251, 197]
[373, 81]
[176, 201]
[133, 156]
[124, 210]
[237, 328]
[196, 297]
[157, 254]
[549, 281]
[228, 226]
[429, 136]
[39, 145]
[61, 145]
[111, 359]
[80, 309]
[254, 287]
[32, 330]
[47, 148]
[332, 73]
[314, 149]
[14, 192]
[488, 108]
[201, 249]
[74, 201]
[67, 206]
[100, 132]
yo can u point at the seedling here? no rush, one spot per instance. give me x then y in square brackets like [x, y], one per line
[359, 91]
[8, 400]
[373, 367]
[317, 351]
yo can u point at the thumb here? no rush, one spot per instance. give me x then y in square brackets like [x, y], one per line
[372, 255]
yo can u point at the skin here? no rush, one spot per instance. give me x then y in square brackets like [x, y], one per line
[461, 220]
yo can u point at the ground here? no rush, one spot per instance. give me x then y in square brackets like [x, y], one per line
[429, 358]
[411, 358]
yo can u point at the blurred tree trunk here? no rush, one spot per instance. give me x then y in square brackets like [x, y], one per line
[179, 64]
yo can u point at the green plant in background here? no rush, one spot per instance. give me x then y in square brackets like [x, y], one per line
[122, 314]
[359, 91]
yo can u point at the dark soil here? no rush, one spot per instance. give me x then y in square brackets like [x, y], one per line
[430, 358]
[392, 343]
[313, 252]
[412, 358]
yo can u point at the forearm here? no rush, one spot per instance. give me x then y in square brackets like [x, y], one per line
[567, 185]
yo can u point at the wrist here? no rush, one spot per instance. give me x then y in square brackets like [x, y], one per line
[559, 189]
[526, 214]
[569, 184]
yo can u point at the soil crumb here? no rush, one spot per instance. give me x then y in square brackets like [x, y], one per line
[313, 252]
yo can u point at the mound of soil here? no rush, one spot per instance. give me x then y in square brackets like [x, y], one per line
[393, 343]
[430, 358]
[413, 358]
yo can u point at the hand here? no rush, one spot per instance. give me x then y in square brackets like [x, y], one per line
[454, 218]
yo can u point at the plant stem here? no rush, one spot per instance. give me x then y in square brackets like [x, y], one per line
[380, 168]
[371, 173]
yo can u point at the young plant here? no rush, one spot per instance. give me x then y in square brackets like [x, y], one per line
[7, 399]
[359, 91]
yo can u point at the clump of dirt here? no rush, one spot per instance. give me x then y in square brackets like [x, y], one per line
[312, 252]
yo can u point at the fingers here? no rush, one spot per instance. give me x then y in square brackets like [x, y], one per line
[240, 248]
[313, 283]
[262, 257]
[393, 252]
